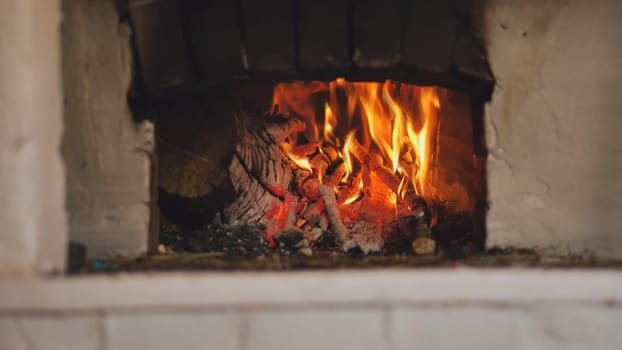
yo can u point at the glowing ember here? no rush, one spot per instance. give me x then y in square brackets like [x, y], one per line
[380, 132]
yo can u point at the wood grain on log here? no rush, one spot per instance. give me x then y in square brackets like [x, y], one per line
[261, 174]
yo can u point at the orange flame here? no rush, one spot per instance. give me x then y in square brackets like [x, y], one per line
[356, 195]
[394, 120]
[346, 154]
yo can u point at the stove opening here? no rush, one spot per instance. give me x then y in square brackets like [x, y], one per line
[294, 128]
[319, 167]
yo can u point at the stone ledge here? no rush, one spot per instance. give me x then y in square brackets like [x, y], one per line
[184, 290]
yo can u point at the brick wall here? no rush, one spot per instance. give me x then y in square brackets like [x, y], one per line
[386, 309]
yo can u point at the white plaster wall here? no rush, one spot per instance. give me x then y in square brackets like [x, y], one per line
[33, 229]
[554, 126]
[374, 309]
[108, 195]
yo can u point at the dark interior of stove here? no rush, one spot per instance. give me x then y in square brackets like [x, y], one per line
[200, 64]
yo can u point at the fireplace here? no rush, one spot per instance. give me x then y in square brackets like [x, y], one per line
[360, 132]
[406, 82]
[120, 176]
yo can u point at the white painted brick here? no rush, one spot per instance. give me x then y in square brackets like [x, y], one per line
[556, 63]
[33, 237]
[168, 331]
[10, 333]
[108, 187]
[315, 329]
[50, 333]
[573, 327]
[455, 328]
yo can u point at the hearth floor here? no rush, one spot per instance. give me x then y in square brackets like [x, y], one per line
[209, 261]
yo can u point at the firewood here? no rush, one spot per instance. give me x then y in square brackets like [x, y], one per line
[351, 190]
[319, 163]
[332, 211]
[385, 175]
[274, 190]
[313, 210]
[261, 176]
[311, 188]
[359, 152]
[331, 151]
[306, 149]
[335, 173]
[424, 245]
[280, 126]
[417, 205]
[300, 175]
[423, 242]
[415, 225]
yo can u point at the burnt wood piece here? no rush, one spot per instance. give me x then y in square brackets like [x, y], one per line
[422, 243]
[214, 32]
[376, 34]
[323, 34]
[260, 172]
[160, 44]
[328, 196]
[430, 35]
[268, 35]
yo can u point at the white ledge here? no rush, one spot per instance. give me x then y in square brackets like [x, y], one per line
[342, 287]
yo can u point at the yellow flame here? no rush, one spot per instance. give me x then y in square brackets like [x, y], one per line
[347, 155]
[300, 161]
[401, 189]
[355, 196]
[330, 123]
[398, 130]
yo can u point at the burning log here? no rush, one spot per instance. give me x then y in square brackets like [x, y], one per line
[319, 163]
[331, 151]
[386, 176]
[335, 173]
[280, 126]
[313, 210]
[351, 192]
[311, 188]
[305, 150]
[332, 211]
[261, 174]
[416, 224]
[358, 151]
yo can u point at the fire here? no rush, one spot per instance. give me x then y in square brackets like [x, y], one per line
[300, 160]
[347, 158]
[382, 132]
[330, 122]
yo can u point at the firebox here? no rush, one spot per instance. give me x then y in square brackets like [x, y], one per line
[311, 127]
[372, 167]
[348, 126]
